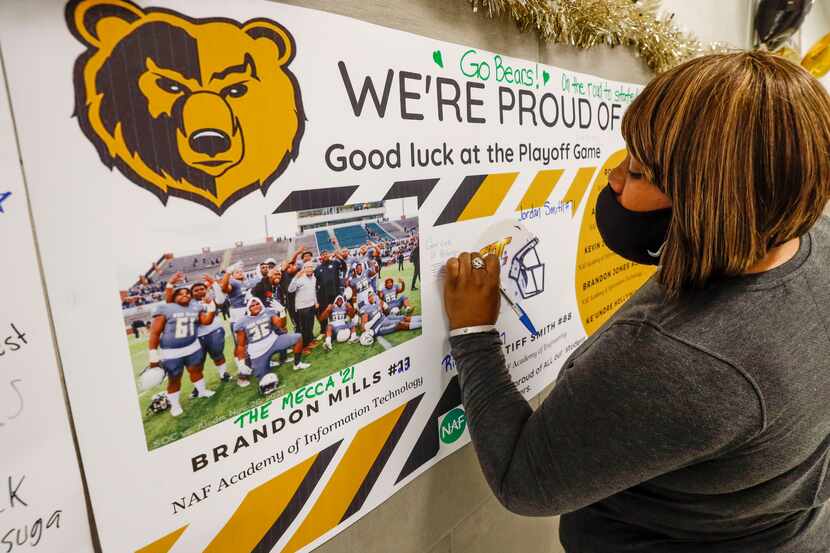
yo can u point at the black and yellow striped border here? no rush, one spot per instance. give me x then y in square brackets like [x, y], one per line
[477, 196]
[267, 511]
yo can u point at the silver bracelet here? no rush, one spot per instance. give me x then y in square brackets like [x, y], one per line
[463, 331]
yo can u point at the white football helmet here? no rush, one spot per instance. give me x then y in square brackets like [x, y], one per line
[343, 334]
[268, 384]
[395, 311]
[526, 274]
[348, 293]
[158, 404]
[150, 378]
[367, 338]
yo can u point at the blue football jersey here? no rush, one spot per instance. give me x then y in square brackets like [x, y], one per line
[365, 258]
[180, 325]
[370, 309]
[390, 294]
[259, 331]
[338, 314]
[204, 330]
[362, 284]
[236, 296]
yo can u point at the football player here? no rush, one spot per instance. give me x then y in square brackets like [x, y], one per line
[174, 330]
[259, 336]
[361, 283]
[212, 336]
[345, 265]
[366, 252]
[374, 321]
[374, 272]
[233, 284]
[266, 266]
[268, 289]
[340, 316]
[392, 296]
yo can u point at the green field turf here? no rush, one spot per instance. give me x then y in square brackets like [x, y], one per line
[230, 400]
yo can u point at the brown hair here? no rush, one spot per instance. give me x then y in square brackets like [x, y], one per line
[740, 143]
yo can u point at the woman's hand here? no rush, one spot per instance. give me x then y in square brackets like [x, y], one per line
[471, 296]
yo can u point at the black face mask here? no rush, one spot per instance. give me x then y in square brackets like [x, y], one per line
[638, 236]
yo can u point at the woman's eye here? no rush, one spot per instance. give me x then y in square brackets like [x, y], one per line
[634, 175]
[169, 85]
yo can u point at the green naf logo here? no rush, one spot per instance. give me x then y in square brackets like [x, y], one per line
[452, 425]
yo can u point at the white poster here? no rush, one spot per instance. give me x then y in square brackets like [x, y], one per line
[42, 504]
[185, 157]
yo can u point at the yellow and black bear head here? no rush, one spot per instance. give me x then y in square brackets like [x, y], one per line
[202, 109]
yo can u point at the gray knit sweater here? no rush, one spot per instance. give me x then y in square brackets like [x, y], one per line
[701, 425]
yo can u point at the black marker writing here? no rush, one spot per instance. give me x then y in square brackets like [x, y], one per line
[14, 494]
[12, 342]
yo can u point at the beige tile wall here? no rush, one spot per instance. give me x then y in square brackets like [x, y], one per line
[450, 509]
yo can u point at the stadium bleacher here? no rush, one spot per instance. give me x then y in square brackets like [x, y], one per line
[324, 240]
[140, 298]
[377, 229]
[351, 236]
[252, 256]
[203, 262]
[308, 242]
[409, 224]
[393, 230]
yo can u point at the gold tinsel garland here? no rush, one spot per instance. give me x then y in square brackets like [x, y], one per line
[587, 23]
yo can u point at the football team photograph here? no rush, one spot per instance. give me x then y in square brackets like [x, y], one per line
[216, 333]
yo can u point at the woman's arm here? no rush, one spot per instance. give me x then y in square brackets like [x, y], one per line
[633, 406]
[636, 404]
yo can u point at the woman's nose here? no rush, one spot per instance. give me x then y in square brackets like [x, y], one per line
[617, 177]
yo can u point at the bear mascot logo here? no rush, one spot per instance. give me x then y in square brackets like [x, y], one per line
[201, 109]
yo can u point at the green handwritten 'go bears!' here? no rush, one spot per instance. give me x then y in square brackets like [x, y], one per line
[438, 58]
[452, 425]
[482, 66]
